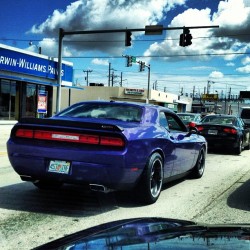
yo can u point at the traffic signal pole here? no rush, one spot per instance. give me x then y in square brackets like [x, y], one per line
[150, 30]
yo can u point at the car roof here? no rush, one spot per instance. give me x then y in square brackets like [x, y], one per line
[221, 115]
[139, 104]
[188, 114]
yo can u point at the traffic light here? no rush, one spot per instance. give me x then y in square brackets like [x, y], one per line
[129, 61]
[128, 38]
[182, 40]
[142, 66]
[185, 38]
[188, 38]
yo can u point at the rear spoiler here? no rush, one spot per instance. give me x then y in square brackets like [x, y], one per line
[66, 123]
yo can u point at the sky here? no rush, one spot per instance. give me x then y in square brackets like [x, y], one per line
[218, 58]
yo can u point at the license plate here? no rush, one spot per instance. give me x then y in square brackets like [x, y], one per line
[60, 167]
[212, 132]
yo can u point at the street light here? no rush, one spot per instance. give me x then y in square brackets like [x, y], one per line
[209, 85]
[38, 47]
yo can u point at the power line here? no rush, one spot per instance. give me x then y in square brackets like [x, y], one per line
[108, 41]
[162, 56]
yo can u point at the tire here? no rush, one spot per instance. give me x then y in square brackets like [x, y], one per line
[199, 167]
[238, 149]
[150, 185]
[48, 185]
[247, 147]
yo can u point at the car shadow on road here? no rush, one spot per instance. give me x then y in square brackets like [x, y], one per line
[240, 198]
[70, 200]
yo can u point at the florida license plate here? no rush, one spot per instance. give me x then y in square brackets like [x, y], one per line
[60, 167]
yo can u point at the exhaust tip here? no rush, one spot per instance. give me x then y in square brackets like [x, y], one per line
[99, 188]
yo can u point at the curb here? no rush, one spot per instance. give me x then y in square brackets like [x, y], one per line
[6, 122]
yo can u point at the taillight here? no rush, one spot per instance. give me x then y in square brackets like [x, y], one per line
[90, 139]
[25, 133]
[111, 141]
[230, 130]
[200, 128]
[70, 137]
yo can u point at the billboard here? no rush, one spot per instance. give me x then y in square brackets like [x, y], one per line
[245, 94]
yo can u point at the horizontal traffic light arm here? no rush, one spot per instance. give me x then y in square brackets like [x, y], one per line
[63, 33]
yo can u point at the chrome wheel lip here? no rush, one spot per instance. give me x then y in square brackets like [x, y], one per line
[156, 178]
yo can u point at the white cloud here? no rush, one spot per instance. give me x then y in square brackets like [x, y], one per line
[104, 15]
[229, 40]
[216, 74]
[245, 69]
[230, 64]
[97, 61]
[246, 60]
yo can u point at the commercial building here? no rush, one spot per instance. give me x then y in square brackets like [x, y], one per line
[169, 100]
[26, 83]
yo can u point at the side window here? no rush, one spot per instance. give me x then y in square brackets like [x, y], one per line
[174, 123]
[163, 120]
[241, 123]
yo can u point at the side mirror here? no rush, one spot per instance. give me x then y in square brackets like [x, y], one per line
[192, 130]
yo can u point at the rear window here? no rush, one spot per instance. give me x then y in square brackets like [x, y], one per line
[218, 120]
[104, 111]
[245, 114]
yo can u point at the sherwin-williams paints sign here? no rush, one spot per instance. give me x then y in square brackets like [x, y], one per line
[24, 63]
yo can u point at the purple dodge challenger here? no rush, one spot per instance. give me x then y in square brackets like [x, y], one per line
[110, 146]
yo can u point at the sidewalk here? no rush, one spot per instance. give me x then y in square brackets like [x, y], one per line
[5, 128]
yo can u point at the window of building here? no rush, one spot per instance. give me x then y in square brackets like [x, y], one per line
[8, 101]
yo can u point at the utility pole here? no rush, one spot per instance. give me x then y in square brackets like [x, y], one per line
[148, 66]
[109, 74]
[87, 78]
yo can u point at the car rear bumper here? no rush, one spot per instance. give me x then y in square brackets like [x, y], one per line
[111, 170]
[222, 143]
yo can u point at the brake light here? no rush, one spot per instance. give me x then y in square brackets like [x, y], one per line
[200, 128]
[230, 130]
[111, 141]
[70, 137]
[25, 133]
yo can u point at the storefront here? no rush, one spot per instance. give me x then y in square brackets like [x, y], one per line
[26, 83]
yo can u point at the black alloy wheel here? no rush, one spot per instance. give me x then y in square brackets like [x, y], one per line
[199, 167]
[239, 147]
[149, 188]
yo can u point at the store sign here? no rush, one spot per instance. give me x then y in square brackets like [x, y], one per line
[209, 97]
[25, 63]
[42, 101]
[129, 91]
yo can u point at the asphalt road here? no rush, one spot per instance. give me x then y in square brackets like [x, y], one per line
[30, 217]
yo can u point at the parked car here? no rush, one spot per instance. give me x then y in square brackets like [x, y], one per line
[225, 132]
[108, 145]
[155, 233]
[190, 117]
